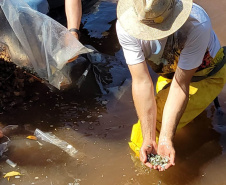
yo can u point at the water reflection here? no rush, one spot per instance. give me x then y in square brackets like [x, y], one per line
[101, 19]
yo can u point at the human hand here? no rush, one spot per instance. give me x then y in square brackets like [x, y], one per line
[148, 148]
[166, 149]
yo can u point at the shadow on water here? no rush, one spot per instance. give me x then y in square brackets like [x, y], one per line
[98, 124]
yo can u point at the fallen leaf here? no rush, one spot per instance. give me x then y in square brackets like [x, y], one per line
[11, 174]
[32, 137]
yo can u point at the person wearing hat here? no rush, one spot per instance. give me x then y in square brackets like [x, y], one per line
[175, 38]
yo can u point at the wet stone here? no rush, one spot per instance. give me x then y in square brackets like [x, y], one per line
[157, 160]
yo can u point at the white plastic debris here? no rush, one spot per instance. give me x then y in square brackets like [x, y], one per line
[50, 138]
[11, 163]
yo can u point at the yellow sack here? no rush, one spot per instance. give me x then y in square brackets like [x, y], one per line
[201, 94]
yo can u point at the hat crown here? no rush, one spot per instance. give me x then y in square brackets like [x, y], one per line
[152, 9]
[150, 28]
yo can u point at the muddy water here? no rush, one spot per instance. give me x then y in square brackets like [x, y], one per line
[99, 127]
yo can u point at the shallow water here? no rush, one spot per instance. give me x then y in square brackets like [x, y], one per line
[99, 127]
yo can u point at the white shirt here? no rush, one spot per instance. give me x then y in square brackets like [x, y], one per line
[200, 37]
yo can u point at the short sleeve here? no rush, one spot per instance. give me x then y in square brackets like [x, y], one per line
[195, 47]
[131, 48]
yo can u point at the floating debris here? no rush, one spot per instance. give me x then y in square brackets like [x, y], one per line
[104, 102]
[11, 174]
[50, 138]
[11, 163]
[32, 137]
[157, 160]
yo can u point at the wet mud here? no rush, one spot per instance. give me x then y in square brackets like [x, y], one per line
[98, 124]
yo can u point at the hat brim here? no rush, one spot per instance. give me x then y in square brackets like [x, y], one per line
[129, 21]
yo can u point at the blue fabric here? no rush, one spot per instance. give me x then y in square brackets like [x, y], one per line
[39, 5]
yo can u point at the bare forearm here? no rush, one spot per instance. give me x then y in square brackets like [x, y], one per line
[174, 108]
[143, 95]
[73, 10]
[176, 102]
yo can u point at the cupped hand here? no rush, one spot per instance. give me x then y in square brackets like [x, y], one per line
[147, 148]
[166, 149]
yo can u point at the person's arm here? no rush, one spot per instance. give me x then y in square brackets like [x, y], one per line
[174, 108]
[145, 104]
[73, 9]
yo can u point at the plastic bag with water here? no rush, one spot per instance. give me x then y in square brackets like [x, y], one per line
[37, 42]
[50, 138]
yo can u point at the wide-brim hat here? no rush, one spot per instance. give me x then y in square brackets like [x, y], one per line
[134, 22]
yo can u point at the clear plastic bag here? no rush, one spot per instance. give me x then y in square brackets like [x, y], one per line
[4, 145]
[50, 138]
[36, 41]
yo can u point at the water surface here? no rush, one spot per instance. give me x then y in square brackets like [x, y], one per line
[99, 125]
